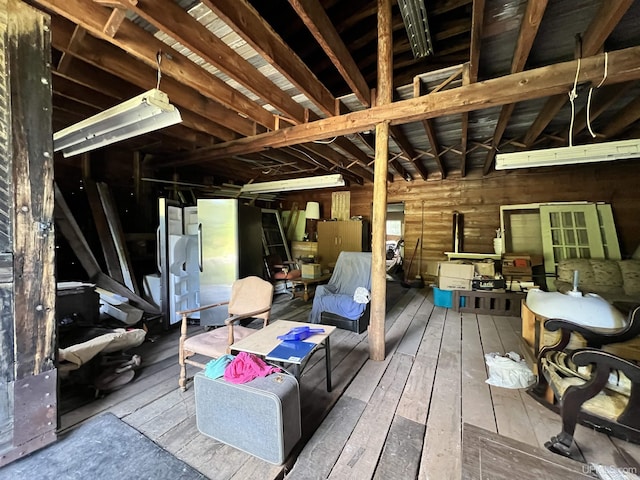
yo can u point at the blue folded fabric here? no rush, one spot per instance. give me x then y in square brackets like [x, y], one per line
[215, 368]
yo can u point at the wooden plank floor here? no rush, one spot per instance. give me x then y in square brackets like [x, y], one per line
[396, 419]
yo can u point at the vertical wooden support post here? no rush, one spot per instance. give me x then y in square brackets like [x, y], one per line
[379, 220]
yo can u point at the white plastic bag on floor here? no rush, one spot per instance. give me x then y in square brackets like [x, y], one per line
[508, 371]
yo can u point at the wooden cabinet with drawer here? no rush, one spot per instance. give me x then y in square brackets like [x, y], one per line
[335, 237]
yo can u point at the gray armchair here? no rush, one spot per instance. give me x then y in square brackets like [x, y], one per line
[334, 303]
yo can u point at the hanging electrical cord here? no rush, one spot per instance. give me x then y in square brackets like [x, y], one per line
[158, 62]
[604, 77]
[573, 94]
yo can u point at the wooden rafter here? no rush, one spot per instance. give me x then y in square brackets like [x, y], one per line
[320, 26]
[624, 66]
[408, 151]
[431, 136]
[623, 119]
[171, 19]
[118, 14]
[447, 6]
[470, 74]
[464, 125]
[528, 30]
[244, 19]
[427, 123]
[108, 58]
[605, 20]
[144, 46]
[76, 40]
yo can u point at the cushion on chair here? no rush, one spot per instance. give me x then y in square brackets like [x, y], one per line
[353, 270]
[249, 295]
[214, 343]
[290, 275]
[607, 404]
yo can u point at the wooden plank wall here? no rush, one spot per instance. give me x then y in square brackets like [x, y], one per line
[479, 200]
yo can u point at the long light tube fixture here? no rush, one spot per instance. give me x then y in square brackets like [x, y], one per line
[306, 183]
[142, 114]
[595, 152]
[414, 16]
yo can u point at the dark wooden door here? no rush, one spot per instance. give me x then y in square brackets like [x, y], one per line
[28, 400]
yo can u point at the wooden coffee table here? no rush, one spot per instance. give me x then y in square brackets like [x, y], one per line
[309, 281]
[266, 339]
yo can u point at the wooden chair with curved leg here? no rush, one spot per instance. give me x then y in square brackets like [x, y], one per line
[591, 385]
[251, 297]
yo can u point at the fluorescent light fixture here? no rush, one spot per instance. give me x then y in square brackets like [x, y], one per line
[414, 16]
[323, 181]
[595, 152]
[142, 114]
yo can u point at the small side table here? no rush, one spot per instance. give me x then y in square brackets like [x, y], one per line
[266, 339]
[306, 295]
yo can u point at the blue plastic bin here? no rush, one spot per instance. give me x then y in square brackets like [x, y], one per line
[444, 298]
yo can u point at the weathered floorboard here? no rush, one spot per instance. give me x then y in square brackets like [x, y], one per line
[399, 418]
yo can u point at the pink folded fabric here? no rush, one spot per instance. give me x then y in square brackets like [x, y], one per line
[245, 367]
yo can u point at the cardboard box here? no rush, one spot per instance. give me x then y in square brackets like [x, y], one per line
[455, 276]
[311, 270]
[521, 260]
[485, 269]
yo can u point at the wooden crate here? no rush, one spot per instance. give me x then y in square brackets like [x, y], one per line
[488, 302]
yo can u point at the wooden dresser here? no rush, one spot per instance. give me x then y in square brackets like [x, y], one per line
[335, 237]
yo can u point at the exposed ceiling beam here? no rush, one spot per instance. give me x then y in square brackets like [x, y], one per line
[245, 20]
[605, 20]
[464, 127]
[241, 16]
[145, 47]
[623, 119]
[111, 59]
[320, 26]
[407, 149]
[427, 123]
[168, 17]
[447, 5]
[477, 21]
[624, 65]
[470, 74]
[528, 31]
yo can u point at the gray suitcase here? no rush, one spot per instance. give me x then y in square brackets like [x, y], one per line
[261, 417]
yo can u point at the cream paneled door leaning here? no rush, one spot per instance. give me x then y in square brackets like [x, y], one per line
[576, 231]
